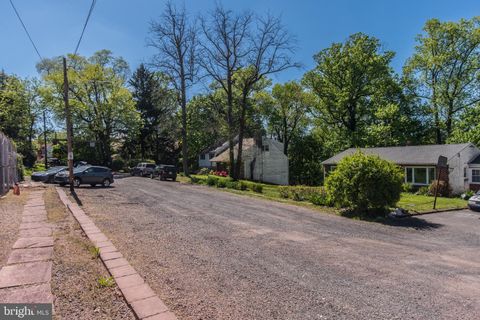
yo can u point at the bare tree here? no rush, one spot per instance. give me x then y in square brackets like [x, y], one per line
[174, 35]
[223, 53]
[240, 51]
[270, 52]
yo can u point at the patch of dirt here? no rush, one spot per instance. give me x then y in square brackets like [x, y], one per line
[11, 208]
[76, 271]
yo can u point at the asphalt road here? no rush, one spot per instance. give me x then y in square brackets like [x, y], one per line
[215, 255]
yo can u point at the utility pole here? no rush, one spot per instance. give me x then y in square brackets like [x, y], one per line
[69, 125]
[45, 138]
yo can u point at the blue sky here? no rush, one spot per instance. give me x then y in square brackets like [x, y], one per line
[122, 26]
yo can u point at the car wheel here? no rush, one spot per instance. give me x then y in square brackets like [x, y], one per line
[63, 184]
[174, 179]
[93, 185]
[151, 176]
[106, 183]
[76, 182]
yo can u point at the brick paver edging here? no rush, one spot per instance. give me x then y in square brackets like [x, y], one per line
[138, 294]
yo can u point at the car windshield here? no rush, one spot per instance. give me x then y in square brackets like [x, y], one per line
[151, 166]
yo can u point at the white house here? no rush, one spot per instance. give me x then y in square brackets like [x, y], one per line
[419, 163]
[262, 160]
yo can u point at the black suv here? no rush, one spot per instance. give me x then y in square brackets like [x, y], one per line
[91, 175]
[164, 172]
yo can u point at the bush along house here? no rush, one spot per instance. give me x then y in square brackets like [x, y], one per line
[419, 162]
[262, 160]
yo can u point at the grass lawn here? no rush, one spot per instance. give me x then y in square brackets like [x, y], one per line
[411, 202]
[421, 204]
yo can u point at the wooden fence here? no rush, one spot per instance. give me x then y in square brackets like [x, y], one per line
[8, 164]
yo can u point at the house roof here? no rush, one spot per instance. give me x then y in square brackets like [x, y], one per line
[224, 156]
[476, 160]
[406, 155]
[218, 147]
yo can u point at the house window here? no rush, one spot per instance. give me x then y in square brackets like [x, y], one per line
[202, 156]
[431, 175]
[476, 175]
[419, 175]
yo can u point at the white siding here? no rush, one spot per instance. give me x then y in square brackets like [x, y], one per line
[457, 165]
[270, 166]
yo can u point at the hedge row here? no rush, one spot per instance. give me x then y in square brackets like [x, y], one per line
[315, 195]
[228, 183]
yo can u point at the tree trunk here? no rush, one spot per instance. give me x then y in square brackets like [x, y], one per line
[184, 126]
[231, 131]
[241, 131]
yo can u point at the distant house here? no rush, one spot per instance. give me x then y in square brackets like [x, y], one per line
[262, 160]
[419, 163]
[204, 158]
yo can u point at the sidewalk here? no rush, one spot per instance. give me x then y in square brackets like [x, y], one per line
[27, 274]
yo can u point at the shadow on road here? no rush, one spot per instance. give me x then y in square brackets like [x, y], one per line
[412, 222]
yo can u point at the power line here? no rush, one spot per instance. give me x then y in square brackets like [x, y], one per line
[85, 25]
[26, 31]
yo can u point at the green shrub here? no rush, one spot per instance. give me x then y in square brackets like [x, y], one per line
[256, 187]
[365, 183]
[320, 197]
[243, 186]
[233, 185]
[118, 164]
[444, 189]
[407, 187]
[467, 195]
[212, 181]
[203, 171]
[194, 180]
[423, 191]
[284, 192]
[221, 183]
[302, 193]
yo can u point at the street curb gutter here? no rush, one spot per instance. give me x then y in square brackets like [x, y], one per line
[138, 294]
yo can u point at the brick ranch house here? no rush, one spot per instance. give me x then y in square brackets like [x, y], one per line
[419, 163]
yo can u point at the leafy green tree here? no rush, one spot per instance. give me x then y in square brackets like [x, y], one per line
[306, 153]
[156, 103]
[352, 81]
[365, 182]
[467, 127]
[444, 72]
[20, 108]
[102, 107]
[286, 111]
[206, 124]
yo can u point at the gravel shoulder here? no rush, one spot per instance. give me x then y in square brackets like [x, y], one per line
[76, 271]
[217, 255]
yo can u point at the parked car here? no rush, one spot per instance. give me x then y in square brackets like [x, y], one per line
[48, 175]
[164, 172]
[91, 175]
[143, 169]
[474, 202]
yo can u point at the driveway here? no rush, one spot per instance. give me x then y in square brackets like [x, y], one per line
[215, 255]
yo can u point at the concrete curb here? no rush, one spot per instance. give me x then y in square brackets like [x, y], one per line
[138, 294]
[436, 211]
